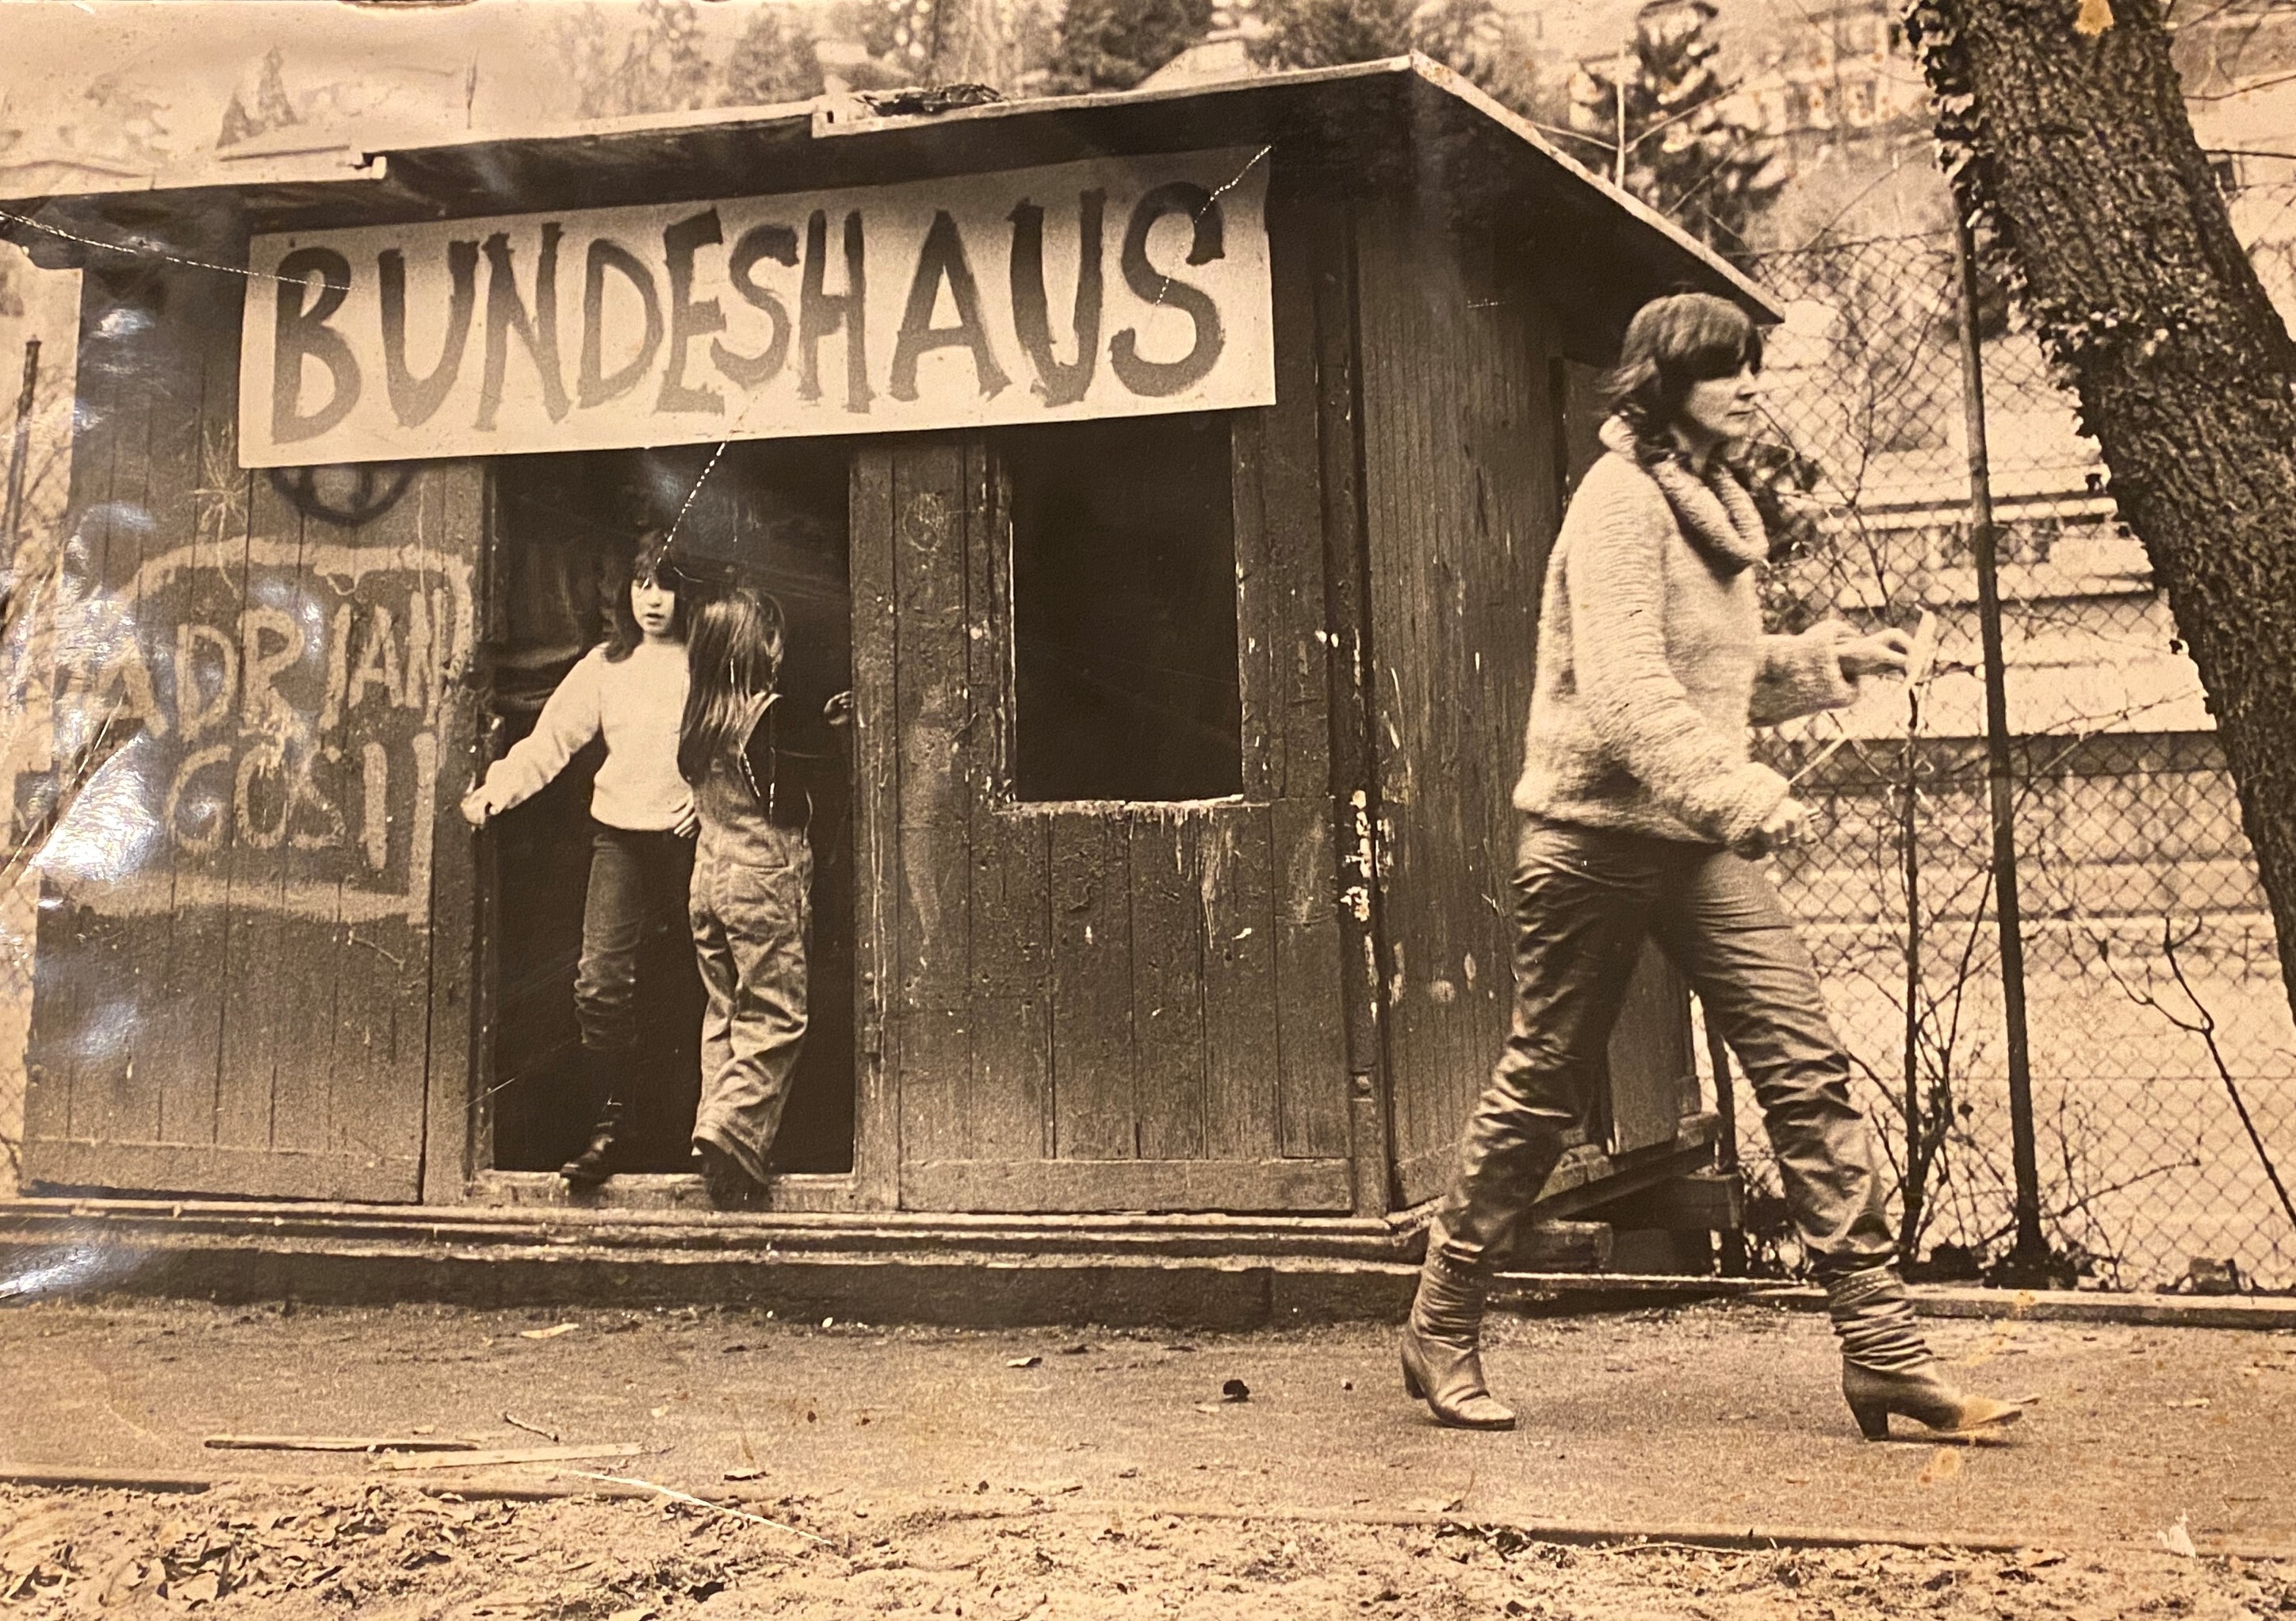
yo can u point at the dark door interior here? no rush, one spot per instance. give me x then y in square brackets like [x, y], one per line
[770, 515]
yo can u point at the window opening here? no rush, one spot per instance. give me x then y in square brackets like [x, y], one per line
[1124, 623]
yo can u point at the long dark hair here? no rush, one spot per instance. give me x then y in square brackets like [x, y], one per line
[1671, 343]
[651, 566]
[733, 657]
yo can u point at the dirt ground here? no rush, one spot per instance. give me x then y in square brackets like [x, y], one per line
[387, 1554]
[993, 1475]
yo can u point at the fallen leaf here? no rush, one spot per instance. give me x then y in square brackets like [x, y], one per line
[207, 1587]
[2177, 1539]
[743, 1474]
[2190, 1401]
[1025, 1362]
[551, 1332]
[2095, 17]
[1077, 1349]
[1944, 1464]
[1434, 1505]
[1235, 1390]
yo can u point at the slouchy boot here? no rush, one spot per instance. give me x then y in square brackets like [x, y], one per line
[1442, 1354]
[1888, 1368]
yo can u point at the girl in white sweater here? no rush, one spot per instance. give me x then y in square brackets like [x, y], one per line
[630, 689]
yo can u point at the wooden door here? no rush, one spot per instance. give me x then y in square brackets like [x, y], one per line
[254, 950]
[1106, 1005]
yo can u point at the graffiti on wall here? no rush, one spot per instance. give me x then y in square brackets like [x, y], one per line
[268, 714]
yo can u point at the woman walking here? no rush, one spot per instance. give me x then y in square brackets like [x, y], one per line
[630, 689]
[1640, 811]
[751, 890]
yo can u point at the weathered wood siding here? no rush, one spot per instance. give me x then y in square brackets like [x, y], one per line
[255, 937]
[1461, 499]
[1097, 1007]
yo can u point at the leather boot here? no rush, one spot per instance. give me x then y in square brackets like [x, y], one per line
[1888, 1368]
[728, 1186]
[596, 1163]
[1442, 1355]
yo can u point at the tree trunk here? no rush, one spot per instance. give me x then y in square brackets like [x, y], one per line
[972, 43]
[2063, 126]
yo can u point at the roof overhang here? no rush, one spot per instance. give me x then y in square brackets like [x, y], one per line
[1406, 126]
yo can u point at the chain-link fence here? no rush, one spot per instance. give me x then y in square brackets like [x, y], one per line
[2161, 1046]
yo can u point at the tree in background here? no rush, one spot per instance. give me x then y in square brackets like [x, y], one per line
[1470, 37]
[2063, 126]
[1112, 44]
[657, 66]
[1692, 150]
[774, 61]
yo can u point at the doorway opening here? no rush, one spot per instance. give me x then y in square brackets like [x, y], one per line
[770, 516]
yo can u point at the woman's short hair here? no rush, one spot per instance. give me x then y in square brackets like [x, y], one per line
[1671, 343]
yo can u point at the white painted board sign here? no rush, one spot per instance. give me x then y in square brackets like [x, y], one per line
[1109, 288]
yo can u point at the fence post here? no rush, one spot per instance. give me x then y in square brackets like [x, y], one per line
[2028, 1258]
[12, 514]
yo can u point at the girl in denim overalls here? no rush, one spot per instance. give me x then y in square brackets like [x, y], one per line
[752, 877]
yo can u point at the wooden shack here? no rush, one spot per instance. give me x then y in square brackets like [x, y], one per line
[1174, 498]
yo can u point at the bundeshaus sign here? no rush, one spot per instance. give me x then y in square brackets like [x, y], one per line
[1096, 289]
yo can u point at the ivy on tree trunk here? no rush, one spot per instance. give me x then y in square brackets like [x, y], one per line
[2062, 125]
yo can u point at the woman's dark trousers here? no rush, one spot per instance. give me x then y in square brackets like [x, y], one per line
[637, 893]
[1586, 898]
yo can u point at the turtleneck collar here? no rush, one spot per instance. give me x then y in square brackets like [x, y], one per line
[1718, 517]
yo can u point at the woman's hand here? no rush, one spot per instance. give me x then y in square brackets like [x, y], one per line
[477, 806]
[1781, 829]
[839, 711]
[1882, 653]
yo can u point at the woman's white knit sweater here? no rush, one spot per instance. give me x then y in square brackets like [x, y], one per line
[636, 703]
[1651, 659]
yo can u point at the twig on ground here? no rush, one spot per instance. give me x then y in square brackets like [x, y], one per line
[675, 1495]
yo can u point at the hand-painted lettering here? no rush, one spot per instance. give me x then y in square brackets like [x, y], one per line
[537, 329]
[689, 318]
[1159, 379]
[1057, 383]
[415, 401]
[594, 387]
[289, 713]
[299, 335]
[777, 243]
[819, 313]
[941, 263]
[1127, 285]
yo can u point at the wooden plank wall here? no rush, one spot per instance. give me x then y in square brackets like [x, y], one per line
[1462, 502]
[1463, 379]
[236, 975]
[1094, 1007]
